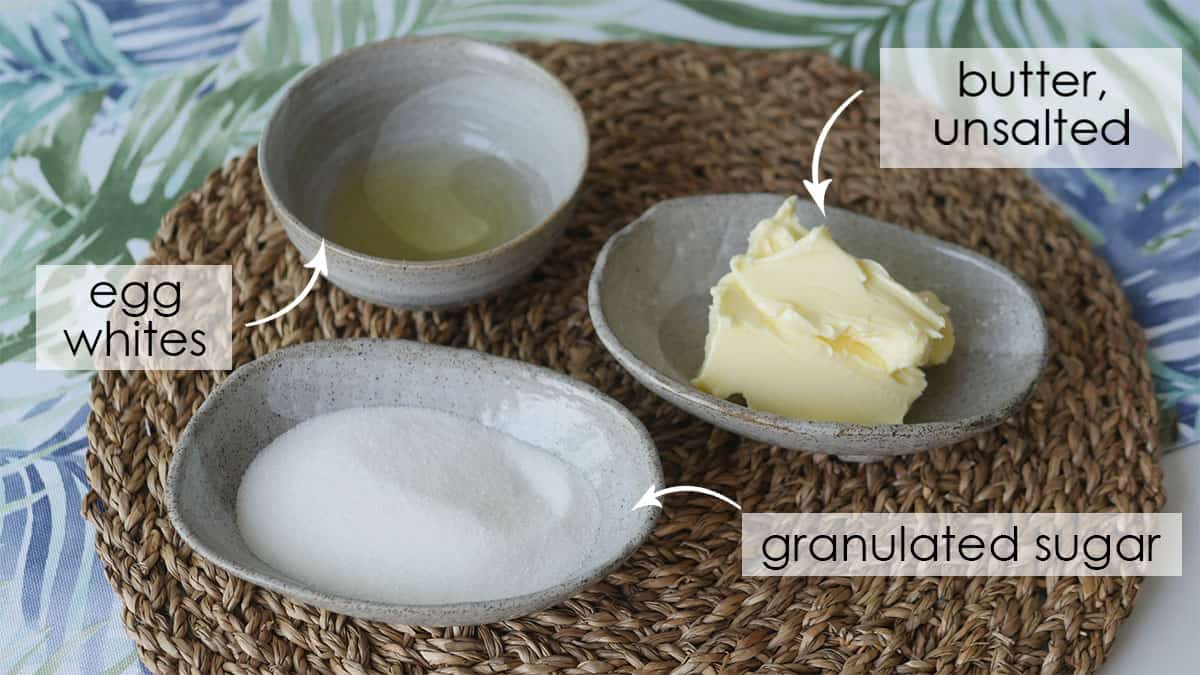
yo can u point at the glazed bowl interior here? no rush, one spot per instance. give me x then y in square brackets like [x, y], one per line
[656, 299]
[412, 94]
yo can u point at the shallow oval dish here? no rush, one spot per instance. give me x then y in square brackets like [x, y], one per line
[266, 397]
[649, 299]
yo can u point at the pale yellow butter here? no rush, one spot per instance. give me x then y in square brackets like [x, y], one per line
[801, 328]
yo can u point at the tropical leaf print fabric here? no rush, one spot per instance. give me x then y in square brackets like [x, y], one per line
[110, 109]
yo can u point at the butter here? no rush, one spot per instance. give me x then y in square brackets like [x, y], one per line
[801, 328]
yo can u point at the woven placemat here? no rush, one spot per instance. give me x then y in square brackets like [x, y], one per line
[667, 121]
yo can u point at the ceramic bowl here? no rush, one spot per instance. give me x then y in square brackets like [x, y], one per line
[413, 92]
[266, 397]
[649, 299]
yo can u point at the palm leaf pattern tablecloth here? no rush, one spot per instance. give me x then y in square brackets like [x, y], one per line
[110, 109]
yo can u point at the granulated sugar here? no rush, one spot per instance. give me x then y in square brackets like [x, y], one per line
[415, 506]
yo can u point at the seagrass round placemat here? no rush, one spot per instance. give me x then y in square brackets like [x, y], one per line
[667, 121]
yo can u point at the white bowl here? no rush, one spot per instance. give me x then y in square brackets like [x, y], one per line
[410, 92]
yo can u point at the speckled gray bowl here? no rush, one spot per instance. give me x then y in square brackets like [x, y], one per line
[412, 92]
[266, 397]
[649, 301]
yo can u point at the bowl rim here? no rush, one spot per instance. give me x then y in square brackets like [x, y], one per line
[491, 609]
[686, 394]
[467, 45]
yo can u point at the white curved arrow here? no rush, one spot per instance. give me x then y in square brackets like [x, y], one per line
[319, 267]
[651, 496]
[817, 187]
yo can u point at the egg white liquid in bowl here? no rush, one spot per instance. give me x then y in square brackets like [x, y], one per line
[582, 437]
[436, 170]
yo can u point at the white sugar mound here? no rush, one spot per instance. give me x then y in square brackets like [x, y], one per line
[414, 506]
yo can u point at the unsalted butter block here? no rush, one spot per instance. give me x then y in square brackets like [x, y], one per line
[801, 328]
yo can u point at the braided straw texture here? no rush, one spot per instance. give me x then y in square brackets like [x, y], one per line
[667, 121]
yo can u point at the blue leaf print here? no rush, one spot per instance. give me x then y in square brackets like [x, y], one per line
[42, 407]
[50, 583]
[1148, 230]
[51, 54]
[70, 555]
[38, 549]
[12, 531]
[48, 56]
[178, 31]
